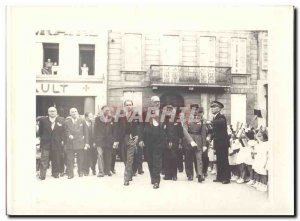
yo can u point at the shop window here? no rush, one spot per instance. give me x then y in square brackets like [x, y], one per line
[86, 60]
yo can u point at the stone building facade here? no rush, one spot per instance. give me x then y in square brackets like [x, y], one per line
[185, 67]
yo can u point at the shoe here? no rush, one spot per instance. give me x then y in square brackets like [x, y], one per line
[126, 183]
[167, 178]
[100, 175]
[130, 179]
[240, 181]
[56, 176]
[62, 174]
[86, 174]
[94, 172]
[141, 172]
[109, 174]
[134, 174]
[233, 178]
[190, 178]
[216, 180]
[226, 182]
[42, 178]
[113, 171]
[155, 186]
[174, 178]
[205, 174]
[80, 175]
[251, 182]
[70, 177]
[199, 179]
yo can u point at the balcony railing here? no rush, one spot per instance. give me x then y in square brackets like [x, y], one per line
[207, 76]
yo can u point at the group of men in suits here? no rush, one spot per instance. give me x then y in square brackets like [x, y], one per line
[134, 136]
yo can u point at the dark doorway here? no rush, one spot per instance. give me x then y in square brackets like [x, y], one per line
[172, 97]
[62, 104]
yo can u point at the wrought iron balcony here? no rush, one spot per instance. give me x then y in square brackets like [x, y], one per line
[192, 76]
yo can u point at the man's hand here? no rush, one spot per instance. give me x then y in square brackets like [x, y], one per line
[141, 144]
[170, 145]
[71, 137]
[193, 144]
[204, 148]
[86, 146]
[115, 145]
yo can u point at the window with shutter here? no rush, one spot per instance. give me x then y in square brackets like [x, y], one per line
[264, 52]
[207, 57]
[133, 52]
[238, 55]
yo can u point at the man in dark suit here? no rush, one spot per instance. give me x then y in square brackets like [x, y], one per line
[105, 139]
[77, 141]
[51, 134]
[90, 153]
[221, 142]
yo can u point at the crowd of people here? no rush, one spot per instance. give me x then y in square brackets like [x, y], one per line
[169, 141]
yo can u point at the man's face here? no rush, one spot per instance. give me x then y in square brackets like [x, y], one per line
[215, 109]
[74, 113]
[155, 104]
[107, 112]
[128, 106]
[90, 117]
[52, 112]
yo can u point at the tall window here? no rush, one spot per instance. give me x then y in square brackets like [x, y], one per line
[133, 52]
[86, 59]
[238, 55]
[170, 50]
[207, 55]
[51, 51]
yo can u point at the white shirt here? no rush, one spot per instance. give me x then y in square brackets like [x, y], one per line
[52, 120]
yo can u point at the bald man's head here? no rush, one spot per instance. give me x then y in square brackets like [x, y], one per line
[73, 112]
[52, 112]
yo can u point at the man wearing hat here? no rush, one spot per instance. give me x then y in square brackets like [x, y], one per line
[221, 142]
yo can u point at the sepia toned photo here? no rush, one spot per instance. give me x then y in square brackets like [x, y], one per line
[133, 120]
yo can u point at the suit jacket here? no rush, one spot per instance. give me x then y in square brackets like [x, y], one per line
[79, 132]
[201, 137]
[133, 128]
[220, 135]
[51, 139]
[174, 132]
[105, 132]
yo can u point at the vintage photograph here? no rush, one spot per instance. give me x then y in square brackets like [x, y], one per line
[138, 121]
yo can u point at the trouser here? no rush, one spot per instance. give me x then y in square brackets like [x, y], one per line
[205, 162]
[123, 152]
[154, 159]
[70, 161]
[104, 159]
[63, 161]
[55, 156]
[129, 162]
[113, 159]
[180, 159]
[193, 156]
[223, 169]
[171, 163]
[138, 160]
[90, 160]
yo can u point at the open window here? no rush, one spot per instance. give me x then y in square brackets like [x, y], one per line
[86, 59]
[51, 58]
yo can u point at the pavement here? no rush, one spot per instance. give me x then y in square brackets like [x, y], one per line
[108, 196]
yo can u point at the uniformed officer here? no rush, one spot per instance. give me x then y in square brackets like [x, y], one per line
[195, 132]
[221, 142]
